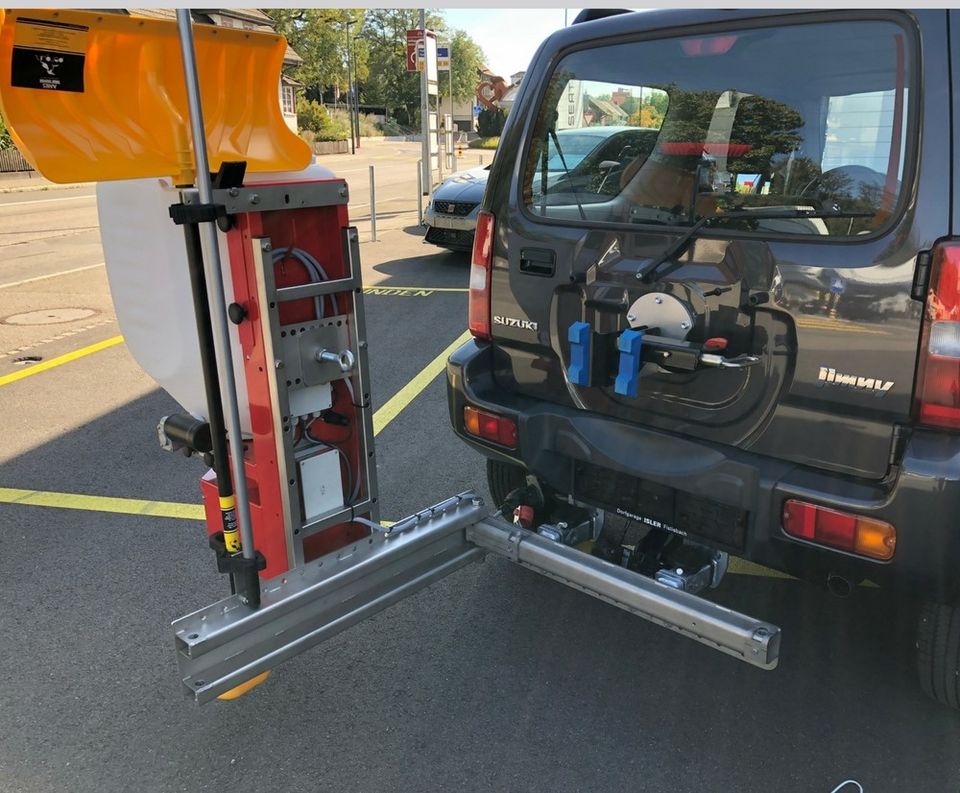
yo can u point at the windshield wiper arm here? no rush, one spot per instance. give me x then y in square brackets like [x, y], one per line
[563, 162]
[684, 240]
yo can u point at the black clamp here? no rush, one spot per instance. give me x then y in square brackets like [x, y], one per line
[230, 175]
[244, 572]
[182, 214]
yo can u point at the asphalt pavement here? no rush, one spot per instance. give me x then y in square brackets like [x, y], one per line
[494, 679]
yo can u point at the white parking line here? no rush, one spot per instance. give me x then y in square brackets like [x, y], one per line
[46, 201]
[384, 201]
[50, 275]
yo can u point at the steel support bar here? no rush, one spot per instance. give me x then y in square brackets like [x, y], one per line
[746, 638]
[215, 293]
[288, 293]
[227, 643]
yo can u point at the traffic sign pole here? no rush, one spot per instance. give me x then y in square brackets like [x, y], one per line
[425, 110]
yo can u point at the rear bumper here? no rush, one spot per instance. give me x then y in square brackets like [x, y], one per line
[555, 442]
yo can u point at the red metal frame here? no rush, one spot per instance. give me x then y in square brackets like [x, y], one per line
[317, 230]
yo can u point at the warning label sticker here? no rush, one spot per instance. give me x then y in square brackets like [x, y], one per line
[48, 55]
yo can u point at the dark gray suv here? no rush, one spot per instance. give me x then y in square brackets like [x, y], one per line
[743, 338]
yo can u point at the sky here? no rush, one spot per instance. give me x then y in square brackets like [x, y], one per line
[508, 36]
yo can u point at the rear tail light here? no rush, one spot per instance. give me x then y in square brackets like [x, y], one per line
[481, 264]
[854, 533]
[490, 426]
[938, 371]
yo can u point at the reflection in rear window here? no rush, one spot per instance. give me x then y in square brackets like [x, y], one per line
[810, 117]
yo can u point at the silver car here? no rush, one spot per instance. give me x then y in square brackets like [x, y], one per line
[590, 153]
[451, 215]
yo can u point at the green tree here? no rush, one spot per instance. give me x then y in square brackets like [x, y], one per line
[490, 123]
[466, 58]
[6, 141]
[311, 116]
[389, 83]
[319, 36]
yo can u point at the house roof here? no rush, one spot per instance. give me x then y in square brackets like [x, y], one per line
[607, 108]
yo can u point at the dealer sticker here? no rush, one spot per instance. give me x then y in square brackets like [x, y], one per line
[651, 522]
[48, 55]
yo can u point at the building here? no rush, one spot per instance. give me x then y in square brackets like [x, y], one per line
[245, 19]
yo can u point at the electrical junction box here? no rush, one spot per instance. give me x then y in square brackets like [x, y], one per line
[321, 484]
[311, 399]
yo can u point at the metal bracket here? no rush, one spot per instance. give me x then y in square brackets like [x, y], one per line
[228, 643]
[744, 637]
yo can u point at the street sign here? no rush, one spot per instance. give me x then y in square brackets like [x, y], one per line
[443, 57]
[421, 56]
[414, 38]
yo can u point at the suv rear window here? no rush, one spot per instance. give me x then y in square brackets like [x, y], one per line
[666, 131]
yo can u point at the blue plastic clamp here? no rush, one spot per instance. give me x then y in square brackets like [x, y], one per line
[579, 369]
[630, 345]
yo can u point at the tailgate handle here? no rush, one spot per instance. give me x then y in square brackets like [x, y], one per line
[536, 261]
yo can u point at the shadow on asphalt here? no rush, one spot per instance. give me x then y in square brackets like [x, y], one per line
[492, 679]
[436, 268]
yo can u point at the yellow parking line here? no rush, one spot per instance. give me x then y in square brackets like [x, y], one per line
[171, 509]
[383, 289]
[393, 406]
[122, 506]
[740, 566]
[59, 360]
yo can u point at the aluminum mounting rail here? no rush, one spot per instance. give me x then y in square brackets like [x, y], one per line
[228, 643]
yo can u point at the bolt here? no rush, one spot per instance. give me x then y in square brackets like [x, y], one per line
[255, 199]
[234, 192]
[343, 192]
[658, 300]
[684, 325]
[760, 634]
[631, 317]
[639, 276]
[362, 345]
[278, 364]
[267, 246]
[679, 571]
[476, 501]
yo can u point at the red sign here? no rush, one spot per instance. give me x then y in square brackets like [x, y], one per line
[414, 39]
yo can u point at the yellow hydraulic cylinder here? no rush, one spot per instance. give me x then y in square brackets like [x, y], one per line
[91, 96]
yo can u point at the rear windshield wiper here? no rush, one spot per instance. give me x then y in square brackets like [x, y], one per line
[566, 171]
[683, 242]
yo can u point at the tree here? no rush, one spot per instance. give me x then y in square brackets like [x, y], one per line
[6, 141]
[490, 123]
[646, 116]
[389, 83]
[466, 58]
[319, 36]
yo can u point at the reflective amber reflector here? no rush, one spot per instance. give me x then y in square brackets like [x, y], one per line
[875, 538]
[471, 420]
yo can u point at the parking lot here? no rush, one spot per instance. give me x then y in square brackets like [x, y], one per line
[493, 679]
